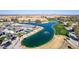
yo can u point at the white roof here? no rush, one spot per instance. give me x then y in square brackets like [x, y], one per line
[9, 31]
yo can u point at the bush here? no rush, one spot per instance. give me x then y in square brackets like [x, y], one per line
[2, 37]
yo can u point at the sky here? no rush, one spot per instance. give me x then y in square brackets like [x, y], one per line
[66, 12]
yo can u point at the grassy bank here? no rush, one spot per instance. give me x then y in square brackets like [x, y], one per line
[60, 30]
[51, 19]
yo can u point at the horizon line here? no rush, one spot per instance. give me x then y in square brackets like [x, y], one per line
[38, 14]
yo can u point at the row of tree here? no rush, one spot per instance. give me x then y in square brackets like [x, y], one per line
[76, 30]
[70, 20]
[29, 21]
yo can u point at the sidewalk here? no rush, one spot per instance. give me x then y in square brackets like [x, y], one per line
[55, 43]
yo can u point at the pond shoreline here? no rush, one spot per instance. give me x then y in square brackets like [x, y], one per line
[41, 37]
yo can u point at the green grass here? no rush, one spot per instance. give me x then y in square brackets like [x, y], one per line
[60, 30]
[51, 19]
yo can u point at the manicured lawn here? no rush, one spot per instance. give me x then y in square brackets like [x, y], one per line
[60, 30]
[51, 19]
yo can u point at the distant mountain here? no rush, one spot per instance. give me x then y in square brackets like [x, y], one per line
[35, 14]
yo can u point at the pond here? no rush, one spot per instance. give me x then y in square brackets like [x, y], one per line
[40, 38]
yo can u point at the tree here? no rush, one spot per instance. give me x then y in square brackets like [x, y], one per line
[65, 19]
[37, 21]
[14, 20]
[5, 20]
[74, 18]
[76, 30]
[19, 34]
[2, 37]
[23, 20]
[29, 20]
[78, 24]
[69, 23]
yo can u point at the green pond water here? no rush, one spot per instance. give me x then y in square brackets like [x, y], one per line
[40, 38]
